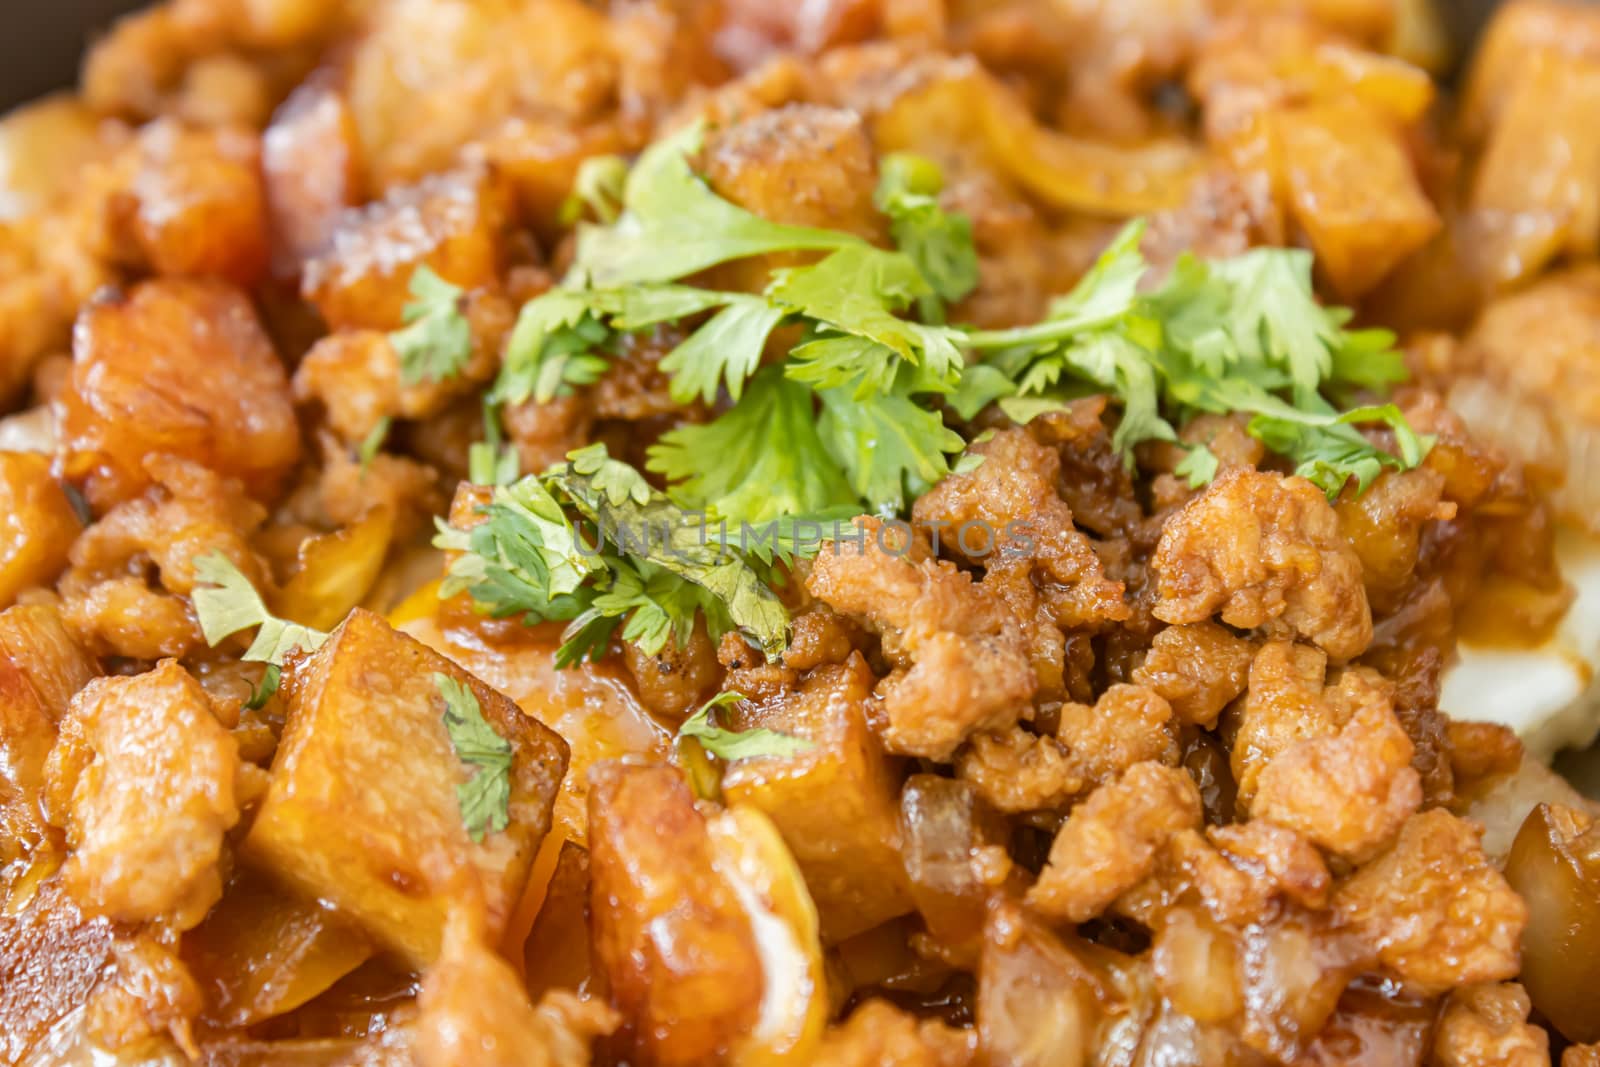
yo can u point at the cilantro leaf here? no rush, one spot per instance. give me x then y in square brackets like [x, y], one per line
[492, 461]
[856, 290]
[760, 460]
[727, 349]
[437, 342]
[524, 558]
[938, 242]
[980, 386]
[597, 187]
[372, 444]
[227, 603]
[553, 347]
[738, 744]
[683, 549]
[1198, 466]
[674, 225]
[271, 678]
[890, 448]
[485, 798]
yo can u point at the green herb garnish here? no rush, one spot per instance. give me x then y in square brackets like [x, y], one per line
[485, 798]
[592, 544]
[228, 603]
[437, 342]
[738, 744]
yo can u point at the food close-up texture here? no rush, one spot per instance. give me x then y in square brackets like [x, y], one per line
[747, 533]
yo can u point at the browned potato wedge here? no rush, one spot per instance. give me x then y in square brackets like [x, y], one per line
[181, 368]
[37, 524]
[836, 804]
[454, 222]
[362, 811]
[1353, 191]
[702, 928]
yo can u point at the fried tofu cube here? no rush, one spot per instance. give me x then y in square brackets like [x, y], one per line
[1353, 191]
[363, 811]
[37, 524]
[837, 804]
[454, 222]
[201, 206]
[180, 368]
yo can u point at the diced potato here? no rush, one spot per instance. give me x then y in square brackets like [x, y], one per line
[37, 524]
[669, 936]
[540, 157]
[1536, 193]
[262, 952]
[556, 954]
[702, 928]
[181, 368]
[455, 222]
[312, 168]
[591, 705]
[1353, 191]
[362, 811]
[39, 142]
[335, 570]
[835, 804]
[201, 207]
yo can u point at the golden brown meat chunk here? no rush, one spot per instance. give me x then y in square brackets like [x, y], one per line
[1282, 705]
[1487, 1026]
[191, 512]
[1199, 668]
[1435, 908]
[363, 807]
[37, 524]
[1263, 550]
[1016, 770]
[474, 1012]
[453, 222]
[180, 368]
[670, 936]
[1278, 855]
[1581, 1056]
[836, 804]
[312, 168]
[1111, 841]
[143, 781]
[803, 165]
[1128, 724]
[1349, 792]
[959, 660]
[1008, 517]
[877, 1034]
[200, 209]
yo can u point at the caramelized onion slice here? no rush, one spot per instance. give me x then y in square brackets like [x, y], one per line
[1555, 865]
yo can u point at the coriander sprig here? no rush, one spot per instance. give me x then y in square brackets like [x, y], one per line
[738, 744]
[1243, 334]
[592, 544]
[436, 342]
[485, 798]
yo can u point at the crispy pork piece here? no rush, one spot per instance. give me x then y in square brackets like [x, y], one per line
[143, 780]
[181, 368]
